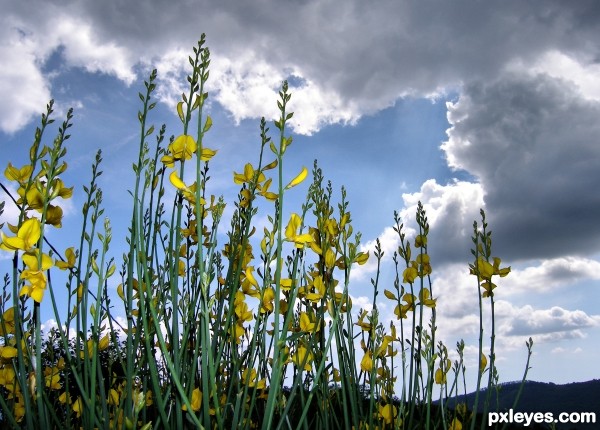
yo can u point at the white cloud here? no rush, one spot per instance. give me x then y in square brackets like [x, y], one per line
[51, 324]
[83, 48]
[560, 65]
[24, 89]
[11, 212]
[458, 313]
[561, 350]
[555, 322]
[450, 210]
[553, 274]
[29, 40]
[361, 302]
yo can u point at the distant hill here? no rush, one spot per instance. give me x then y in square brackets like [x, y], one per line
[545, 397]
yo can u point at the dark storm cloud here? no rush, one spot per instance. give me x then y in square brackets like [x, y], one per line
[533, 144]
[364, 55]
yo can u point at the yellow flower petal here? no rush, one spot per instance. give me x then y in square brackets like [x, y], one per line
[483, 363]
[207, 154]
[27, 236]
[361, 258]
[8, 352]
[177, 183]
[366, 364]
[298, 179]
[250, 276]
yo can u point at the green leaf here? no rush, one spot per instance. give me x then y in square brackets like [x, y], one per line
[207, 124]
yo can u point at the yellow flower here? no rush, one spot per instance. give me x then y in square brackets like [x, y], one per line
[34, 199]
[423, 261]
[70, 263]
[54, 215]
[27, 236]
[382, 350]
[401, 311]
[291, 232]
[250, 276]
[425, 300]
[455, 424]
[264, 191]
[420, 241]
[248, 175]
[19, 407]
[188, 192]
[207, 154]
[285, 284]
[388, 412]
[440, 377]
[498, 271]
[113, 397]
[482, 363]
[366, 364]
[488, 288]
[329, 258]
[306, 324]
[176, 182]
[361, 258]
[302, 355]
[241, 310]
[250, 379]
[239, 331]
[409, 299]
[52, 378]
[365, 326]
[20, 175]
[35, 275]
[267, 300]
[485, 269]
[59, 190]
[8, 322]
[298, 179]
[7, 377]
[181, 148]
[77, 407]
[65, 398]
[410, 274]
[320, 289]
[103, 343]
[8, 352]
[196, 401]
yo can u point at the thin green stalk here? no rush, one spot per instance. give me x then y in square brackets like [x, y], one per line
[277, 359]
[480, 340]
[529, 345]
[492, 363]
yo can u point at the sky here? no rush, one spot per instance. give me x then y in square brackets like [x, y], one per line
[461, 105]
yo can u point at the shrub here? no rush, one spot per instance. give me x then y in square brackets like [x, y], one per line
[258, 332]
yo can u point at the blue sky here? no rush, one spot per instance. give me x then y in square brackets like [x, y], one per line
[461, 105]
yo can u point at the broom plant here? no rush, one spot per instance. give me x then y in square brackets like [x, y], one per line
[252, 329]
